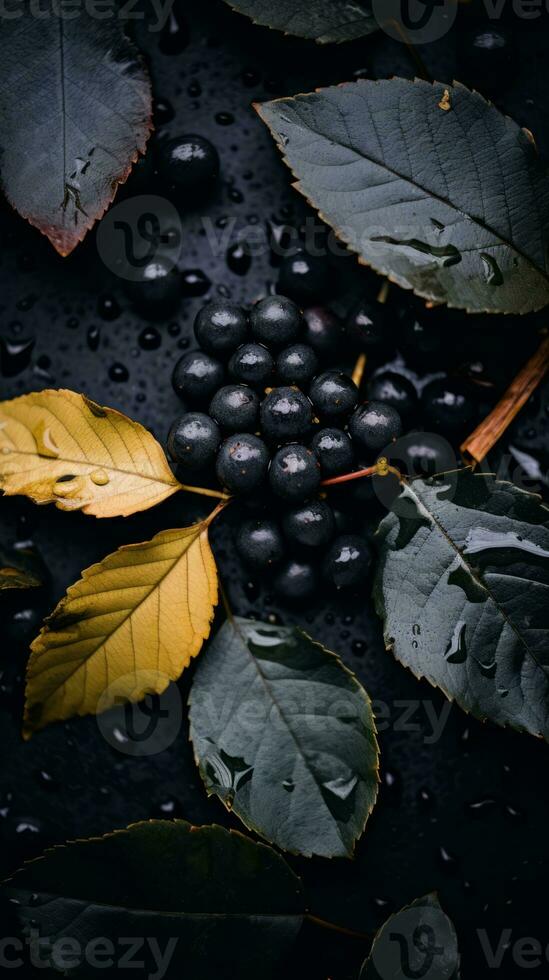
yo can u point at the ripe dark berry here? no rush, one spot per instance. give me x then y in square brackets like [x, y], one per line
[312, 525]
[286, 413]
[296, 581]
[196, 376]
[242, 463]
[447, 405]
[333, 394]
[323, 331]
[193, 440]
[367, 326]
[424, 454]
[220, 327]
[235, 408]
[296, 365]
[420, 341]
[252, 364]
[374, 425]
[294, 473]
[348, 561]
[190, 164]
[259, 543]
[394, 389]
[157, 292]
[276, 321]
[303, 277]
[334, 450]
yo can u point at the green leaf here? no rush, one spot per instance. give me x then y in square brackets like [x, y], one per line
[20, 568]
[418, 941]
[76, 111]
[463, 587]
[229, 906]
[285, 736]
[320, 20]
[431, 185]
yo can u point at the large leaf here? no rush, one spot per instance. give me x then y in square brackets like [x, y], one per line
[320, 20]
[432, 186]
[60, 447]
[75, 112]
[463, 588]
[419, 941]
[285, 736]
[217, 904]
[127, 628]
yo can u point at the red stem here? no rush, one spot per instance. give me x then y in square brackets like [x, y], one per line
[346, 477]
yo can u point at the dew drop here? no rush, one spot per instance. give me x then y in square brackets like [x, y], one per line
[100, 478]
[45, 443]
[288, 785]
[239, 259]
[492, 271]
[118, 372]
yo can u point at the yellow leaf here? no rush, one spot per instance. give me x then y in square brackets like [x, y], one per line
[60, 447]
[127, 628]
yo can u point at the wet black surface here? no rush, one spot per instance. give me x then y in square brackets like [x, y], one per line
[463, 807]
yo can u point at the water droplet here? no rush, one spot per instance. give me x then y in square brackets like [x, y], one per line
[108, 307]
[456, 651]
[239, 259]
[227, 773]
[492, 271]
[45, 442]
[175, 34]
[462, 578]
[163, 112]
[489, 669]
[342, 786]
[67, 486]
[15, 355]
[444, 255]
[93, 337]
[288, 785]
[224, 118]
[118, 372]
[194, 282]
[149, 338]
[425, 797]
[100, 478]
[480, 807]
[480, 540]
[448, 861]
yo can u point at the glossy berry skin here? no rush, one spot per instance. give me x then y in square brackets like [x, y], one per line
[311, 525]
[303, 277]
[276, 321]
[294, 473]
[220, 327]
[425, 453]
[190, 164]
[259, 543]
[235, 408]
[242, 463]
[296, 365]
[252, 364]
[447, 405]
[286, 413]
[196, 376]
[367, 326]
[334, 450]
[347, 562]
[375, 425]
[333, 394]
[394, 389]
[323, 331]
[193, 440]
[296, 581]
[157, 292]
[420, 341]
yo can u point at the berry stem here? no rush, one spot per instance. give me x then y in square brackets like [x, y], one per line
[483, 439]
[217, 510]
[205, 492]
[358, 370]
[381, 468]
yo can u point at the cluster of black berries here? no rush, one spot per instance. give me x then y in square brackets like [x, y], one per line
[265, 414]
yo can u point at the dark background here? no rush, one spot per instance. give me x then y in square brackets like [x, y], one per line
[466, 816]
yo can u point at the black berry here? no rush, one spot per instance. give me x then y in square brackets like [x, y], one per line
[367, 326]
[334, 450]
[190, 164]
[296, 365]
[374, 425]
[294, 473]
[157, 292]
[323, 331]
[220, 327]
[296, 581]
[252, 364]
[242, 463]
[394, 389]
[259, 543]
[276, 321]
[193, 440]
[196, 376]
[286, 413]
[333, 394]
[447, 405]
[312, 524]
[304, 277]
[235, 408]
[348, 561]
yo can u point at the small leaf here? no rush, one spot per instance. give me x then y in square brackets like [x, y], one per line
[418, 941]
[127, 628]
[76, 113]
[285, 736]
[320, 20]
[430, 184]
[463, 586]
[217, 904]
[20, 568]
[60, 447]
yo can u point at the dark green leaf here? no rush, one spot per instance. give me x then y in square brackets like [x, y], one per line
[463, 588]
[452, 203]
[229, 906]
[285, 736]
[20, 568]
[419, 941]
[320, 20]
[75, 110]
